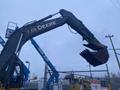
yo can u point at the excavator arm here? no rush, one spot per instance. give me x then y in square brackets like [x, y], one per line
[22, 35]
[100, 55]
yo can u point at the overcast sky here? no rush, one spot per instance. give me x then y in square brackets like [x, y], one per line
[62, 47]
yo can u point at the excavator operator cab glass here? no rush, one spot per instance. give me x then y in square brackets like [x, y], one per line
[11, 27]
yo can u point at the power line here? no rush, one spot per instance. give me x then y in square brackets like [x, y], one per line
[118, 53]
[82, 71]
[112, 49]
[118, 2]
[114, 4]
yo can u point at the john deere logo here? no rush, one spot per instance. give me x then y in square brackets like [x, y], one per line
[44, 26]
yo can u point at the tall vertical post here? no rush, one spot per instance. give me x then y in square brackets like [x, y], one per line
[45, 77]
[90, 71]
[110, 37]
[108, 73]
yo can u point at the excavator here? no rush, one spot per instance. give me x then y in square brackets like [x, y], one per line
[95, 54]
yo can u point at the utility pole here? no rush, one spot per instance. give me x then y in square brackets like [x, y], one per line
[108, 73]
[110, 37]
[45, 77]
[90, 71]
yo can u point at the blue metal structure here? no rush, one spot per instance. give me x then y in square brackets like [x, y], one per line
[55, 75]
[2, 42]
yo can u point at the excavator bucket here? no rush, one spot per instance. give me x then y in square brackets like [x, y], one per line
[95, 58]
